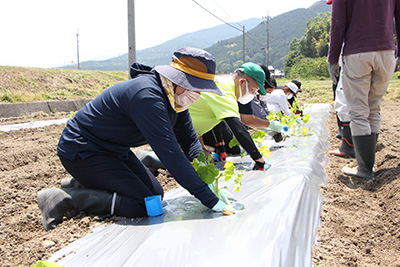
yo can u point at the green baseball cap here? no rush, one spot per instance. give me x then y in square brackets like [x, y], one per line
[256, 72]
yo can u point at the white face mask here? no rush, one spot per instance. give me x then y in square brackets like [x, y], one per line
[289, 96]
[188, 97]
[247, 97]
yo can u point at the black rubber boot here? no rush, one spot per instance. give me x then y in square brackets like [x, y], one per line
[56, 203]
[70, 182]
[364, 148]
[346, 149]
[150, 160]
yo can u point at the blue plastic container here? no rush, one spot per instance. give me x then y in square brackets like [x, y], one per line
[153, 205]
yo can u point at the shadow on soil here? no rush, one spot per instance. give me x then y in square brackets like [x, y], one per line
[382, 177]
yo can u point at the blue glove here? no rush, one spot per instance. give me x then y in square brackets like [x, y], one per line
[275, 126]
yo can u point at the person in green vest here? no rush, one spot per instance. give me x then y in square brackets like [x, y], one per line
[210, 110]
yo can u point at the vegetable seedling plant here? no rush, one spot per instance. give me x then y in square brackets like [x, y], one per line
[295, 122]
[211, 175]
[257, 137]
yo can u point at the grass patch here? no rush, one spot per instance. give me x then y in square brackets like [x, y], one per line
[320, 91]
[20, 84]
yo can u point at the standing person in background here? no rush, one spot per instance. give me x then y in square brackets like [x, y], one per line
[365, 29]
[151, 108]
[346, 148]
[334, 86]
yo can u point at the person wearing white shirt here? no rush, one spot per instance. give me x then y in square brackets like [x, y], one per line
[277, 100]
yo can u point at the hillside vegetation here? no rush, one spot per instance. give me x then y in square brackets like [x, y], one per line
[282, 30]
[21, 84]
[226, 43]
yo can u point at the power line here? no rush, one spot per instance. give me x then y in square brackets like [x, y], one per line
[226, 13]
[228, 23]
[217, 16]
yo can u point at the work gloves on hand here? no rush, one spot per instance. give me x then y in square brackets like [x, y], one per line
[275, 126]
[220, 150]
[397, 67]
[258, 166]
[223, 194]
[223, 203]
[224, 208]
[220, 156]
[334, 72]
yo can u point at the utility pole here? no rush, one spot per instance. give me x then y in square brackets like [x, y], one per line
[267, 39]
[77, 47]
[131, 33]
[244, 46]
[267, 47]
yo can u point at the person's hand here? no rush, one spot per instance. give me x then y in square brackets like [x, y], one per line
[220, 150]
[258, 166]
[397, 67]
[275, 126]
[299, 112]
[222, 156]
[224, 208]
[334, 72]
[222, 194]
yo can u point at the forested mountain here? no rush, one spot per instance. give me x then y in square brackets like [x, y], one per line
[282, 30]
[228, 52]
[161, 54]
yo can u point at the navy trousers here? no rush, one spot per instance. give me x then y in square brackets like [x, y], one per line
[130, 179]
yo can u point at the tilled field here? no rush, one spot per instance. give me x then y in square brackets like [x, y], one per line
[360, 221]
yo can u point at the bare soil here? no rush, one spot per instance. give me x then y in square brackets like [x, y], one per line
[360, 221]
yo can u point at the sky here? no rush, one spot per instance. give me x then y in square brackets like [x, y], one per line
[47, 33]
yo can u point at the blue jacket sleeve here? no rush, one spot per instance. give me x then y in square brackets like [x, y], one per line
[187, 136]
[149, 110]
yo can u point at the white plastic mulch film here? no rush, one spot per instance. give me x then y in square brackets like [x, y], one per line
[28, 125]
[277, 226]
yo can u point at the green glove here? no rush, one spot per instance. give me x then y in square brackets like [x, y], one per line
[221, 206]
[223, 194]
[275, 126]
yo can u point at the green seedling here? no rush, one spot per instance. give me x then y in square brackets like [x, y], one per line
[294, 121]
[211, 175]
[257, 137]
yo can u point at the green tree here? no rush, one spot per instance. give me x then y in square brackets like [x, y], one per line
[310, 68]
[314, 44]
[317, 35]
